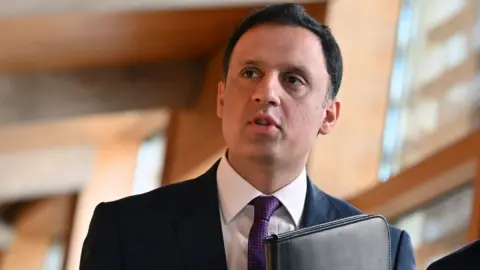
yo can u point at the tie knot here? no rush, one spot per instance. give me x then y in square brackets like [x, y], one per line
[265, 206]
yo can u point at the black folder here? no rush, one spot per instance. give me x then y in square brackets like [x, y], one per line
[355, 243]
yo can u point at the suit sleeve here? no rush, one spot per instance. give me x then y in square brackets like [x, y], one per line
[101, 249]
[405, 259]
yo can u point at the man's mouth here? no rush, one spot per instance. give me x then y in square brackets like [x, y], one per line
[262, 122]
[266, 122]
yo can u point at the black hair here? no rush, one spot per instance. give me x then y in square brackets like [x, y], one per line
[293, 14]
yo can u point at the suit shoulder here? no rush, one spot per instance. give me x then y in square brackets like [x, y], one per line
[346, 209]
[343, 208]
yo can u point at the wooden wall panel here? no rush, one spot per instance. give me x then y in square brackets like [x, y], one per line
[346, 162]
[195, 135]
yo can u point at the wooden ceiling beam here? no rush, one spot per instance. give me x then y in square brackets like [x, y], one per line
[95, 129]
[447, 169]
[24, 7]
[52, 96]
[105, 39]
[66, 41]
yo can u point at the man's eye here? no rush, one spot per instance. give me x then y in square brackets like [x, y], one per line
[249, 73]
[292, 79]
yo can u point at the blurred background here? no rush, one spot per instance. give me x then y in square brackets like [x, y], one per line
[108, 98]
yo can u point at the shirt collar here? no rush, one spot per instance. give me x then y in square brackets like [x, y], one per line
[235, 193]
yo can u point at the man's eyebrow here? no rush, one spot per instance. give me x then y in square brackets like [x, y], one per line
[287, 66]
[253, 62]
[296, 68]
[299, 69]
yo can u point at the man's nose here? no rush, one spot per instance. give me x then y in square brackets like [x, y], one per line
[268, 91]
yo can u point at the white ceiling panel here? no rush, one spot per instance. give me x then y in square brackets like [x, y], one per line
[43, 172]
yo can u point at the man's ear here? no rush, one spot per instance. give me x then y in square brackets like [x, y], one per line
[220, 98]
[332, 112]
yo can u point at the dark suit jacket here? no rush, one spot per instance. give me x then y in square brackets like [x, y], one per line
[179, 227]
[467, 258]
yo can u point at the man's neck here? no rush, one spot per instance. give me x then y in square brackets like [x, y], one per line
[266, 177]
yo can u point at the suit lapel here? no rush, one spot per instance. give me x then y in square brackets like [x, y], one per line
[317, 209]
[199, 228]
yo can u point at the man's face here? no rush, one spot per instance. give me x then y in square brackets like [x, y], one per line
[272, 103]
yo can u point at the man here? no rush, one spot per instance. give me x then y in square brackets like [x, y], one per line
[466, 258]
[282, 72]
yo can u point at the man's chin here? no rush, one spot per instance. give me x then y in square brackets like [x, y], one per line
[263, 154]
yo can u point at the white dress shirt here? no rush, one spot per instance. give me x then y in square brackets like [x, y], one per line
[237, 215]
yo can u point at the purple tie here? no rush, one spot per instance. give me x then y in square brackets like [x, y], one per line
[264, 208]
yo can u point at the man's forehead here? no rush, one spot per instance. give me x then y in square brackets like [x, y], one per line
[279, 44]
